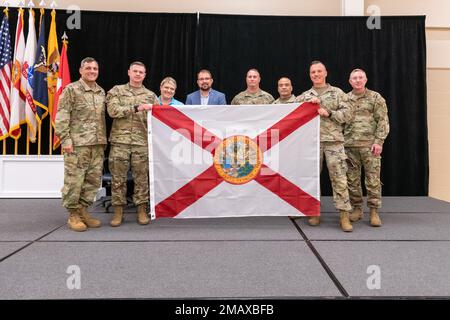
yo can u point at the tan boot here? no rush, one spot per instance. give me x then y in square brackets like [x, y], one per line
[118, 216]
[142, 217]
[314, 221]
[345, 223]
[74, 222]
[87, 219]
[356, 214]
[375, 220]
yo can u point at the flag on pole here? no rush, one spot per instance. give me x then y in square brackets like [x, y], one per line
[5, 76]
[217, 161]
[27, 77]
[40, 88]
[17, 98]
[53, 64]
[63, 81]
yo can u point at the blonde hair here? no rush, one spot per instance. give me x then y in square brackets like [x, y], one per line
[170, 80]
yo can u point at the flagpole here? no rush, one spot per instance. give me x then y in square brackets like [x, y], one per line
[28, 142]
[42, 12]
[6, 13]
[50, 144]
[52, 59]
[16, 146]
[39, 139]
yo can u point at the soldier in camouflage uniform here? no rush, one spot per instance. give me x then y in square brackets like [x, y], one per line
[364, 138]
[128, 104]
[253, 94]
[285, 91]
[81, 127]
[335, 110]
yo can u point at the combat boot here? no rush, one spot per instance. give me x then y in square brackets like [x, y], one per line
[345, 221]
[74, 222]
[375, 220]
[142, 217]
[118, 216]
[356, 214]
[87, 219]
[314, 221]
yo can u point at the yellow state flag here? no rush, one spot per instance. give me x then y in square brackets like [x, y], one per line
[52, 63]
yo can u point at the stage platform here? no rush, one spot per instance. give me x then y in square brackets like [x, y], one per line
[226, 258]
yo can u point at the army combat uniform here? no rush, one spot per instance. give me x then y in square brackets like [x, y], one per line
[336, 102]
[260, 97]
[291, 99]
[370, 126]
[80, 122]
[129, 145]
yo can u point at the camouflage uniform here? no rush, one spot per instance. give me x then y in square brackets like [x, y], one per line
[129, 142]
[260, 97]
[281, 101]
[370, 126]
[336, 102]
[80, 122]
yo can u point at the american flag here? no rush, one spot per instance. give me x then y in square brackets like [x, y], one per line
[5, 76]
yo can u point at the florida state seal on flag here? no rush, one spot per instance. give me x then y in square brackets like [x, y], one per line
[230, 161]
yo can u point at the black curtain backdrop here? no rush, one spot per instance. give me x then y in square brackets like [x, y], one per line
[178, 45]
[393, 57]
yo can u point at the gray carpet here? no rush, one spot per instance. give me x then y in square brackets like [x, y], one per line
[7, 248]
[19, 226]
[233, 229]
[399, 205]
[31, 206]
[396, 226]
[415, 268]
[166, 270]
[256, 257]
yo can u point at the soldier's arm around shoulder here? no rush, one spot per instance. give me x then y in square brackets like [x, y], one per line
[381, 117]
[115, 108]
[63, 116]
[344, 113]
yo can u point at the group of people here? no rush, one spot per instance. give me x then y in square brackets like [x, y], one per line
[353, 128]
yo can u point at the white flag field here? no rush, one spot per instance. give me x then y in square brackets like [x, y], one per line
[234, 161]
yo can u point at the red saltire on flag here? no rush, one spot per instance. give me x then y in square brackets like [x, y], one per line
[63, 81]
[223, 161]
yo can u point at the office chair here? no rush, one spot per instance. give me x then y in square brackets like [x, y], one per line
[106, 183]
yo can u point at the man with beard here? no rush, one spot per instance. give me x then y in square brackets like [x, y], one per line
[206, 95]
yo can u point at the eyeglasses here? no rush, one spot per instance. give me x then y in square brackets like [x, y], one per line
[201, 79]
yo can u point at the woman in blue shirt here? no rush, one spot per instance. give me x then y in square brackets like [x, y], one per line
[167, 89]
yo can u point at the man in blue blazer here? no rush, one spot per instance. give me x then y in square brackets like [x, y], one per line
[206, 95]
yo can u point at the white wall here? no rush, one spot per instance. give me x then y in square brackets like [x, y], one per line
[437, 11]
[257, 7]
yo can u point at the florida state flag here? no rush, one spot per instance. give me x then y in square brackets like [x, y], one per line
[228, 161]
